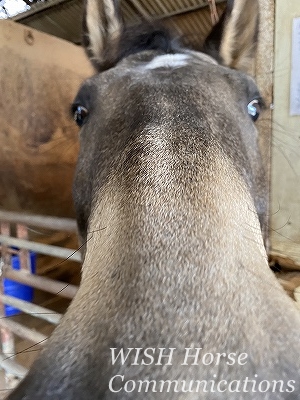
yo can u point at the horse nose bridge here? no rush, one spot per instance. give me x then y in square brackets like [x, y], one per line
[152, 143]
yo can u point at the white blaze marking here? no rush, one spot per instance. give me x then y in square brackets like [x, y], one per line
[202, 56]
[168, 61]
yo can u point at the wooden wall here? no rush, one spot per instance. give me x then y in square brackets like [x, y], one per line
[39, 77]
[285, 177]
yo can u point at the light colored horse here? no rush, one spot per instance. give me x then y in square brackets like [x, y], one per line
[169, 190]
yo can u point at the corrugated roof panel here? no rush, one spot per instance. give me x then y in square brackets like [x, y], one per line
[129, 12]
[163, 7]
[62, 18]
[155, 7]
[193, 27]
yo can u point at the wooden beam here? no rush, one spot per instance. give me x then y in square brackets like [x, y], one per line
[39, 78]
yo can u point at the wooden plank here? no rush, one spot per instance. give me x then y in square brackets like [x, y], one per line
[285, 194]
[264, 77]
[39, 77]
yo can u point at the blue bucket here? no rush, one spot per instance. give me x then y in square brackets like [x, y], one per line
[17, 289]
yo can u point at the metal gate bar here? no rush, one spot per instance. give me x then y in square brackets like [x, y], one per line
[9, 327]
[32, 309]
[39, 282]
[39, 221]
[41, 248]
[12, 367]
[23, 331]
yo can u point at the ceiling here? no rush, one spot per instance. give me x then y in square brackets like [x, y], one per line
[191, 19]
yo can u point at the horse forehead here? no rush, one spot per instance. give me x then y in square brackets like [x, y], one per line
[149, 69]
[176, 60]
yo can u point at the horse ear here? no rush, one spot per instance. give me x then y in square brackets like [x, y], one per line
[233, 40]
[102, 30]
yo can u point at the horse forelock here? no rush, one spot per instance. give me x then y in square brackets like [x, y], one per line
[142, 37]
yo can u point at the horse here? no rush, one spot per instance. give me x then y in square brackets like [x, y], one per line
[177, 299]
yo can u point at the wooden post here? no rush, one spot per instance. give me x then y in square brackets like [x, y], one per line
[24, 255]
[264, 78]
[285, 196]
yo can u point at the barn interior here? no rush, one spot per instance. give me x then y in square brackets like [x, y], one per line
[38, 48]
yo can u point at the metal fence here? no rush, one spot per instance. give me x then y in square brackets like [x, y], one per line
[20, 245]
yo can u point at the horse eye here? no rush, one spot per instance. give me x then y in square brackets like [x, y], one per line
[79, 113]
[254, 109]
